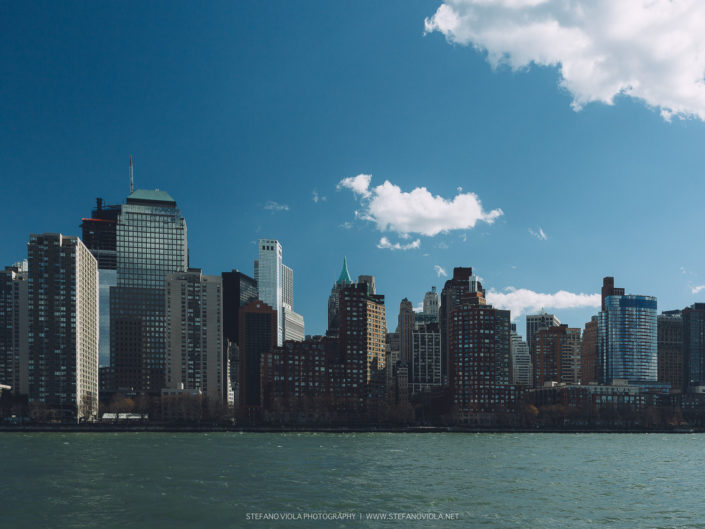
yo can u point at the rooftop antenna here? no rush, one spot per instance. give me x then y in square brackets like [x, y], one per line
[132, 180]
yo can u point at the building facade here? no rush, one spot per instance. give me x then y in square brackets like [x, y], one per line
[431, 303]
[405, 328]
[344, 280]
[424, 369]
[194, 335]
[627, 345]
[556, 355]
[670, 348]
[63, 326]
[451, 296]
[534, 322]
[151, 243]
[589, 365]
[258, 335]
[522, 368]
[269, 276]
[694, 346]
[13, 327]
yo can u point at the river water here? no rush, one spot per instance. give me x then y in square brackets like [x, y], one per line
[458, 480]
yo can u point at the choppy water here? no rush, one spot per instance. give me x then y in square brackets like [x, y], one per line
[165, 480]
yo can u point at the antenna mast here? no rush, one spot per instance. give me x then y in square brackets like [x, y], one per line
[132, 181]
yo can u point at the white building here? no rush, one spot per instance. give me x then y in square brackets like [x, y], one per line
[535, 322]
[522, 370]
[275, 282]
[63, 326]
[431, 304]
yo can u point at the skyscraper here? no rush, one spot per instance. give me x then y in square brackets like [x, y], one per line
[275, 282]
[405, 327]
[194, 335]
[99, 234]
[670, 348]
[344, 279]
[431, 304]
[626, 339]
[534, 322]
[589, 365]
[522, 369]
[238, 290]
[13, 327]
[425, 364]
[556, 355]
[479, 355]
[63, 326]
[258, 335]
[693, 346]
[151, 243]
[452, 295]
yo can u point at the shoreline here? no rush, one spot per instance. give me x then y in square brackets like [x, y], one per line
[112, 428]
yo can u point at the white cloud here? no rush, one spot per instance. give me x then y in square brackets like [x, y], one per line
[418, 307]
[418, 211]
[538, 234]
[359, 184]
[522, 301]
[386, 245]
[652, 50]
[698, 289]
[318, 198]
[440, 271]
[274, 206]
[346, 225]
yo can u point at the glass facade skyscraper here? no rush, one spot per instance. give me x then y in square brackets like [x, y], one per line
[151, 243]
[627, 339]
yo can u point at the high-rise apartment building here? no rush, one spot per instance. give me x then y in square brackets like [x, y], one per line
[151, 243]
[608, 289]
[626, 339]
[479, 354]
[556, 355]
[63, 327]
[194, 335]
[13, 327]
[522, 369]
[534, 322]
[362, 332]
[451, 296]
[670, 348]
[693, 346]
[589, 364]
[99, 234]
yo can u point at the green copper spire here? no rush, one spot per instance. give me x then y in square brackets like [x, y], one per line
[344, 274]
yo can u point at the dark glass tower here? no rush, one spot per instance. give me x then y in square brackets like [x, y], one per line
[151, 243]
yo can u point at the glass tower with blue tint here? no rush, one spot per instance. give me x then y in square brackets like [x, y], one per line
[627, 339]
[151, 243]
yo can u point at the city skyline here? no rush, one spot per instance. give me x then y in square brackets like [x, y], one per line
[270, 139]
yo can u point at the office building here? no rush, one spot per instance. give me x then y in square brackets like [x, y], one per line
[99, 234]
[258, 335]
[431, 303]
[626, 339]
[369, 281]
[694, 346]
[405, 327]
[344, 280]
[608, 289]
[63, 327]
[424, 369]
[238, 290]
[194, 335]
[670, 348]
[522, 369]
[13, 328]
[151, 243]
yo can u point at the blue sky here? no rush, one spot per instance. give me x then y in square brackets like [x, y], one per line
[236, 107]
